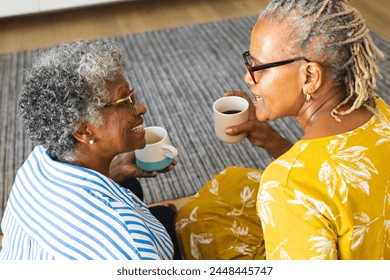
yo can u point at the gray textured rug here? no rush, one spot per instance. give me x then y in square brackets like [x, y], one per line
[178, 73]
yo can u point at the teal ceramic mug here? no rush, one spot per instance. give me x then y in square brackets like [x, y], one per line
[158, 153]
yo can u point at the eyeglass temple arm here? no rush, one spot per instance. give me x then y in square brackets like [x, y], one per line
[120, 100]
[279, 63]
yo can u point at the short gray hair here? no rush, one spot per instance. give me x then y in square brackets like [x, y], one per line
[66, 86]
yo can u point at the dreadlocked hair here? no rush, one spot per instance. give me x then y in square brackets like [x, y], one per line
[336, 34]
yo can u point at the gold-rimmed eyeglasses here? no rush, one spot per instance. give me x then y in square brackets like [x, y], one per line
[251, 69]
[131, 99]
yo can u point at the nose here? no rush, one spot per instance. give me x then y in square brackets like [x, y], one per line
[141, 109]
[248, 78]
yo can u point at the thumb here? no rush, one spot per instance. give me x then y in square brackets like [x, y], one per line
[233, 130]
[239, 129]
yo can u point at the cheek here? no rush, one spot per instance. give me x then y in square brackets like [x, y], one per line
[123, 127]
[115, 125]
[280, 94]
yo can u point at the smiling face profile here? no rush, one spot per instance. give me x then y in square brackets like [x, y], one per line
[122, 129]
[278, 90]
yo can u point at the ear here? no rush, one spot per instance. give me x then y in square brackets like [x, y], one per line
[84, 133]
[312, 73]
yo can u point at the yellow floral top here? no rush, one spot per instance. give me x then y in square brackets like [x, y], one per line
[329, 198]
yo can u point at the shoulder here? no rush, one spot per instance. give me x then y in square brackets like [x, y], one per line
[383, 108]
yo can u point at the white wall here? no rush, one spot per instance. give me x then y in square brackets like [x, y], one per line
[22, 7]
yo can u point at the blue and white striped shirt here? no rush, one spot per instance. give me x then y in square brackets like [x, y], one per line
[62, 211]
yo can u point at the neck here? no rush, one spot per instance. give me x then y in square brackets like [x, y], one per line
[87, 156]
[316, 120]
[319, 109]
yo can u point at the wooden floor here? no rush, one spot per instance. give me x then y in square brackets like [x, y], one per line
[35, 31]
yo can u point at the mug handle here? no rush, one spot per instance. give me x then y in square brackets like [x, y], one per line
[169, 151]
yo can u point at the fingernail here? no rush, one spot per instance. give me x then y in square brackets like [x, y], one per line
[229, 131]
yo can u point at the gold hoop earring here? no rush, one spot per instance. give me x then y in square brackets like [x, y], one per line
[308, 98]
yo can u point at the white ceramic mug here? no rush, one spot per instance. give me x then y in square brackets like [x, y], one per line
[158, 153]
[230, 111]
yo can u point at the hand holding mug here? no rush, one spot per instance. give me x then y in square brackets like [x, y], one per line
[123, 167]
[259, 133]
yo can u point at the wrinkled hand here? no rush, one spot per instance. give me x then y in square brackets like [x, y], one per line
[123, 167]
[259, 133]
[255, 131]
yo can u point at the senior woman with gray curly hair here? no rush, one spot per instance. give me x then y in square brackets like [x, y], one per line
[66, 202]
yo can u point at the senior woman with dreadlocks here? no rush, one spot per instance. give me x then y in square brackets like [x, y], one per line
[66, 202]
[328, 195]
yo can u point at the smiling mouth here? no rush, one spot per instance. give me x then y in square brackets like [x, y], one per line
[137, 128]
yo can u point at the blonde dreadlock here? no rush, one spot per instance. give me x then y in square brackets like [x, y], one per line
[336, 32]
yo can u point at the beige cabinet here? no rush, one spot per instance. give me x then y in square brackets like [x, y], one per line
[10, 8]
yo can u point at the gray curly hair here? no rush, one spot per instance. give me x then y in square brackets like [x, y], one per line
[66, 86]
[336, 33]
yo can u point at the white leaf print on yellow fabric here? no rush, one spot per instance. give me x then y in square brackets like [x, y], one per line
[193, 217]
[348, 167]
[303, 146]
[235, 212]
[358, 236]
[255, 176]
[264, 199]
[329, 177]
[388, 199]
[244, 249]
[280, 252]
[247, 197]
[359, 231]
[214, 187]
[201, 238]
[247, 201]
[239, 230]
[184, 222]
[383, 129]
[283, 255]
[314, 207]
[387, 225]
[323, 245]
[387, 233]
[290, 163]
[387, 221]
[362, 217]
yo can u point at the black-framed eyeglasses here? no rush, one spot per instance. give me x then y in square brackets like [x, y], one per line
[251, 69]
[132, 99]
